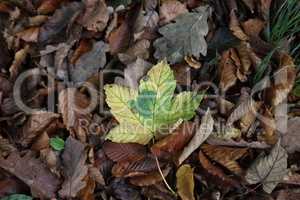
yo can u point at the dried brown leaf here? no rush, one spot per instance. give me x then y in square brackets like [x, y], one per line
[119, 152]
[36, 124]
[33, 172]
[216, 174]
[29, 35]
[227, 71]
[175, 142]
[170, 9]
[96, 15]
[269, 135]
[253, 27]
[83, 47]
[226, 156]
[236, 28]
[48, 6]
[135, 168]
[291, 139]
[19, 59]
[149, 179]
[284, 79]
[75, 170]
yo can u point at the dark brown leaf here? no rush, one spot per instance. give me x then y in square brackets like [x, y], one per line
[119, 152]
[175, 142]
[96, 15]
[58, 23]
[75, 170]
[48, 6]
[33, 172]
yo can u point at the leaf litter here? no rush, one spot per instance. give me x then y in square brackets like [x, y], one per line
[148, 99]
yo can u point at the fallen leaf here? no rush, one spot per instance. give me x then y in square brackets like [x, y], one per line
[149, 179]
[119, 152]
[48, 6]
[265, 8]
[182, 74]
[202, 133]
[96, 15]
[269, 135]
[284, 79]
[268, 170]
[245, 107]
[29, 35]
[226, 156]
[216, 174]
[169, 10]
[139, 50]
[33, 172]
[253, 27]
[288, 195]
[227, 71]
[19, 59]
[89, 63]
[135, 168]
[5, 56]
[75, 170]
[133, 73]
[191, 42]
[290, 139]
[185, 182]
[250, 4]
[87, 193]
[240, 143]
[235, 27]
[59, 22]
[244, 50]
[123, 191]
[175, 142]
[249, 118]
[157, 192]
[36, 124]
[83, 47]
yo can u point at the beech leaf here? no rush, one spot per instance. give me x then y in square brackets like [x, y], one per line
[269, 170]
[185, 37]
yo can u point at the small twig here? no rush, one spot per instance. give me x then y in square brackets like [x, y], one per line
[163, 177]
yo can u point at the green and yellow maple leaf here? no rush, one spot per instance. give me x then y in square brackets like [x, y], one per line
[143, 113]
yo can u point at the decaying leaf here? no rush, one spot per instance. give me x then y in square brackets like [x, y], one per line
[227, 71]
[284, 79]
[149, 179]
[216, 173]
[269, 135]
[290, 139]
[202, 133]
[48, 6]
[236, 28]
[185, 182]
[36, 124]
[133, 73]
[124, 191]
[269, 170]
[72, 105]
[89, 63]
[83, 47]
[240, 143]
[96, 15]
[16, 66]
[226, 156]
[139, 50]
[175, 142]
[75, 170]
[59, 22]
[169, 10]
[29, 35]
[33, 172]
[185, 37]
[253, 27]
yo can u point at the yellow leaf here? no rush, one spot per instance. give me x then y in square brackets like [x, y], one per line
[185, 182]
